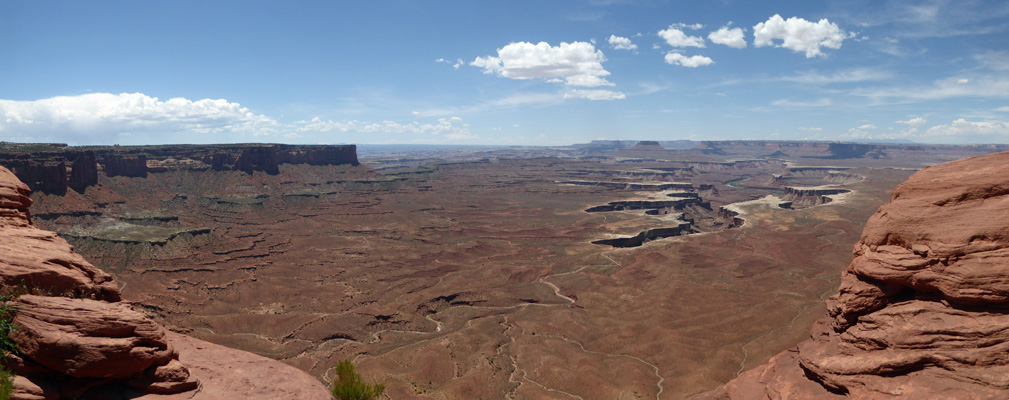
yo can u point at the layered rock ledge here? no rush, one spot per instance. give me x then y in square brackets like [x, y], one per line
[76, 339]
[923, 309]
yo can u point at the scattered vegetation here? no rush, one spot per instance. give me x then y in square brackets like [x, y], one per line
[349, 385]
[6, 345]
[6, 326]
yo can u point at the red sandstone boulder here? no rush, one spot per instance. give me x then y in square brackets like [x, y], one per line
[84, 338]
[921, 311]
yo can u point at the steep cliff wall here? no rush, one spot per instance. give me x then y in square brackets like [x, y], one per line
[922, 308]
[46, 171]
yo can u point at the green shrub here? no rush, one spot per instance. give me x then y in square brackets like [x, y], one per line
[6, 345]
[6, 383]
[6, 326]
[349, 385]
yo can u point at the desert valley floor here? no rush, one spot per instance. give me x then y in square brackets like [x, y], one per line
[584, 273]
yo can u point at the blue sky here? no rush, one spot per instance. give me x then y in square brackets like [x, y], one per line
[514, 72]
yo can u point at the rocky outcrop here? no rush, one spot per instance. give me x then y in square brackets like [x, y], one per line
[75, 339]
[647, 145]
[41, 259]
[258, 159]
[808, 197]
[921, 312]
[83, 172]
[41, 175]
[117, 165]
[320, 155]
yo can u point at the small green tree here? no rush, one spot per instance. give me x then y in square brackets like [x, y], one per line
[349, 385]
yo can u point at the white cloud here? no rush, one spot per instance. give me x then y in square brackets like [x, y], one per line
[100, 118]
[732, 37]
[577, 64]
[692, 61]
[452, 127]
[676, 38]
[1003, 109]
[823, 102]
[862, 132]
[595, 94]
[458, 62]
[962, 81]
[622, 43]
[799, 35]
[848, 76]
[993, 85]
[994, 60]
[679, 25]
[916, 121]
[810, 129]
[964, 128]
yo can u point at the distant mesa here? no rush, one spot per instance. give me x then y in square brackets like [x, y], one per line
[776, 154]
[648, 145]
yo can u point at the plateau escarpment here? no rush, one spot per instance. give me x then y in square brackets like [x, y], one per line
[921, 309]
[46, 170]
[76, 339]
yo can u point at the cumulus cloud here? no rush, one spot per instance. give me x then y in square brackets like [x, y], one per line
[732, 37]
[799, 35]
[676, 38]
[576, 64]
[622, 43]
[594, 94]
[100, 118]
[692, 61]
[916, 121]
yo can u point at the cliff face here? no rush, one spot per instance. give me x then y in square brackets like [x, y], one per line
[46, 171]
[115, 165]
[75, 339]
[921, 312]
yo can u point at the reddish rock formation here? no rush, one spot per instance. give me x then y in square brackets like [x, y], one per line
[89, 345]
[258, 159]
[921, 311]
[31, 256]
[83, 172]
[320, 155]
[808, 197]
[44, 176]
[116, 165]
